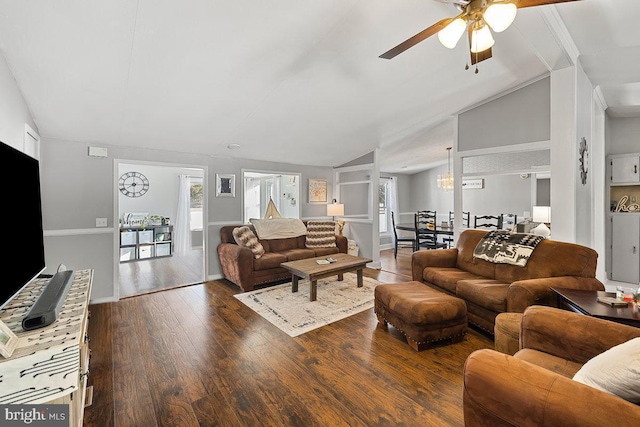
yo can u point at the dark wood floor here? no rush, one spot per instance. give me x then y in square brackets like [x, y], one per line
[150, 275]
[196, 356]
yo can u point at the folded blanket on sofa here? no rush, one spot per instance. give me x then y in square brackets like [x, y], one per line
[278, 228]
[503, 247]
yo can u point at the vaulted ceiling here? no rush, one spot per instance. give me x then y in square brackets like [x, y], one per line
[290, 81]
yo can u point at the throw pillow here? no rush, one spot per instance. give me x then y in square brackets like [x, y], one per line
[616, 371]
[321, 234]
[245, 237]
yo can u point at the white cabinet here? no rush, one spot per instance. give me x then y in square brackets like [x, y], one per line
[625, 247]
[625, 169]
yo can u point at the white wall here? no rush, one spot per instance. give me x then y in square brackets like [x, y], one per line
[623, 135]
[162, 197]
[14, 112]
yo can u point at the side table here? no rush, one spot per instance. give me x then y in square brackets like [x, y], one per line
[586, 302]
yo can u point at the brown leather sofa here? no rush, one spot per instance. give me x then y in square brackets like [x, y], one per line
[490, 289]
[535, 386]
[240, 267]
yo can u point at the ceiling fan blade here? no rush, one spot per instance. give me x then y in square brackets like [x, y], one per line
[530, 3]
[480, 56]
[424, 34]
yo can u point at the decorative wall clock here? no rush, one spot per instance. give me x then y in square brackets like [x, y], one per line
[133, 184]
[584, 160]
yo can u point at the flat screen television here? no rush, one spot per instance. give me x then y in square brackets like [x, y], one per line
[21, 219]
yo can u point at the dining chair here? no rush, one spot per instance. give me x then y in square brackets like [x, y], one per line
[509, 221]
[400, 241]
[487, 221]
[425, 237]
[465, 223]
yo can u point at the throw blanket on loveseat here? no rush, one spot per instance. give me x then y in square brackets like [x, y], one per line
[503, 247]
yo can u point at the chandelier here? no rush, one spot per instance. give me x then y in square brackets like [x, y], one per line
[445, 180]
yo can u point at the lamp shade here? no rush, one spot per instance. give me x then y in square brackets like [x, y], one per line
[335, 209]
[481, 39]
[450, 34]
[500, 16]
[542, 214]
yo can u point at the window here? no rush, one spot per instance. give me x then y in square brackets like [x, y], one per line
[196, 202]
[383, 205]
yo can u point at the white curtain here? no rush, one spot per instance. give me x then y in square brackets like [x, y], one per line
[182, 228]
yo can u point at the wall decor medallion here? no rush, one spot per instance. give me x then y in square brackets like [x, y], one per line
[133, 184]
[584, 160]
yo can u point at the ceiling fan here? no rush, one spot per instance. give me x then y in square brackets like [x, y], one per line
[478, 18]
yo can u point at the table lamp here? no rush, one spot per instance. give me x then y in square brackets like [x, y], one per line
[542, 214]
[335, 209]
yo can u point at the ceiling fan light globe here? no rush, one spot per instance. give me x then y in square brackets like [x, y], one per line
[500, 16]
[450, 34]
[481, 39]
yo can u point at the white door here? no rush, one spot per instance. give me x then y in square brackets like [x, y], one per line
[625, 250]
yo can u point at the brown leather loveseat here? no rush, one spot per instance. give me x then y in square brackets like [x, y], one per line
[490, 289]
[240, 267]
[535, 387]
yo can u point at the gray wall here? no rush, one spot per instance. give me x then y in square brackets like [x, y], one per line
[501, 194]
[78, 188]
[519, 117]
[427, 195]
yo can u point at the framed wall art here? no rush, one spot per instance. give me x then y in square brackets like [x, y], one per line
[225, 185]
[317, 191]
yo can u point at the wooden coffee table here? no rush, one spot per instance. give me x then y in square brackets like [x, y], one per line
[585, 302]
[309, 269]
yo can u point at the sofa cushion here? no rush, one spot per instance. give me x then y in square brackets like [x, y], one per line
[296, 254]
[616, 371]
[487, 293]
[556, 364]
[321, 234]
[281, 245]
[447, 278]
[466, 244]
[269, 260]
[325, 251]
[245, 237]
[552, 259]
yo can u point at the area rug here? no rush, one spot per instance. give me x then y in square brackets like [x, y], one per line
[295, 315]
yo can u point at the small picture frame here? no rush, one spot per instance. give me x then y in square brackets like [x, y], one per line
[317, 191]
[8, 341]
[225, 185]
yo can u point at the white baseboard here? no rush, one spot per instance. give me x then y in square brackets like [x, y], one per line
[215, 277]
[375, 265]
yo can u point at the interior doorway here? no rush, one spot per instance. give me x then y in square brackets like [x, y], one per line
[161, 240]
[261, 187]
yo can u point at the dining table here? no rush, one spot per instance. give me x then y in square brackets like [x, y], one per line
[439, 229]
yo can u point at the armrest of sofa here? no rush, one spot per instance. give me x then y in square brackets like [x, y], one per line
[570, 335]
[501, 390]
[342, 244]
[237, 264]
[524, 293]
[440, 258]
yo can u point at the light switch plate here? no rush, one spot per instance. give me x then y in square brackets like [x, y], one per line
[101, 222]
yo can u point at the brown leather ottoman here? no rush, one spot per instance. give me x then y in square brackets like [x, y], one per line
[421, 313]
